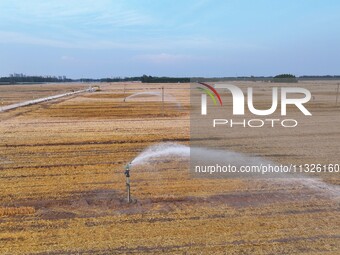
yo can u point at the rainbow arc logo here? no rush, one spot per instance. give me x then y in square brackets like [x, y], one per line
[211, 92]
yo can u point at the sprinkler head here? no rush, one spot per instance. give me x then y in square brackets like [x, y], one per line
[127, 167]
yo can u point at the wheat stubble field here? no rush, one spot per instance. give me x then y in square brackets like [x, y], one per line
[63, 187]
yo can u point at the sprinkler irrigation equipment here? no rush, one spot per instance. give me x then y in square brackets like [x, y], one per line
[163, 101]
[127, 174]
[161, 94]
[337, 95]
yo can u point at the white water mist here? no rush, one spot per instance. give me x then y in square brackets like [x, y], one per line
[166, 151]
[167, 97]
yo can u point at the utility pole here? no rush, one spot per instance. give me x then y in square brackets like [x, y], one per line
[337, 95]
[163, 101]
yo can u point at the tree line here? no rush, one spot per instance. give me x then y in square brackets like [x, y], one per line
[22, 79]
[32, 79]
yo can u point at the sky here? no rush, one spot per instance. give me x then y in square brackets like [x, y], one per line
[211, 38]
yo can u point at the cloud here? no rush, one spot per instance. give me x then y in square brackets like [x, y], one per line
[13, 37]
[84, 25]
[162, 58]
[73, 13]
[67, 58]
[83, 41]
[21, 38]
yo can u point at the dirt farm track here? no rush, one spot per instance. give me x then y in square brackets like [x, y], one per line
[62, 179]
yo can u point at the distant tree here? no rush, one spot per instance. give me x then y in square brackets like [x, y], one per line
[18, 79]
[151, 79]
[286, 78]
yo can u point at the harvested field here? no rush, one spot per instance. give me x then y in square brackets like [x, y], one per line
[62, 165]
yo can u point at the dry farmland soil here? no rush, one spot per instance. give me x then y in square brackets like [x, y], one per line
[63, 191]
